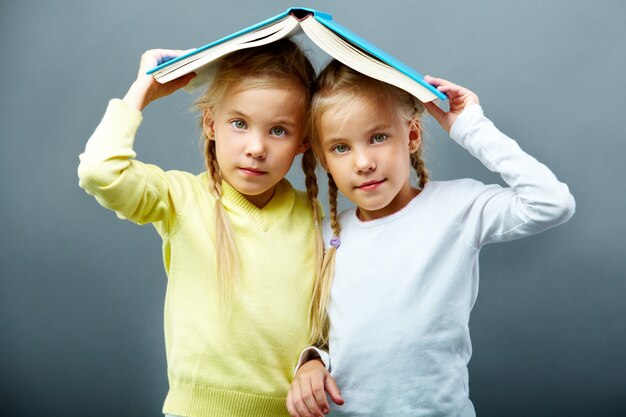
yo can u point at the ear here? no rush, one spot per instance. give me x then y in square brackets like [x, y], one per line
[208, 124]
[302, 147]
[415, 135]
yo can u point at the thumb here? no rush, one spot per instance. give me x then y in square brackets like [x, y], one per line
[439, 115]
[435, 111]
[331, 388]
[176, 84]
[180, 82]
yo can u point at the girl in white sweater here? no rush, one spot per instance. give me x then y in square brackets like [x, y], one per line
[400, 275]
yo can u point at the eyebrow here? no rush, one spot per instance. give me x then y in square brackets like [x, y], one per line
[383, 127]
[380, 128]
[279, 121]
[333, 141]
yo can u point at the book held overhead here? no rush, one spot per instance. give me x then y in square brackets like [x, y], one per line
[332, 38]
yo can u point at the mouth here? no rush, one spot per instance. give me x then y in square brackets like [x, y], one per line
[254, 172]
[370, 185]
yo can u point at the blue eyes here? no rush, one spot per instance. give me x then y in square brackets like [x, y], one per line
[239, 124]
[379, 138]
[278, 131]
[375, 139]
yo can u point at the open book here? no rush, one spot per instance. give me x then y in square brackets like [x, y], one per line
[331, 37]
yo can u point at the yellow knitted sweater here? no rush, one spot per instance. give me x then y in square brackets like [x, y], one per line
[216, 367]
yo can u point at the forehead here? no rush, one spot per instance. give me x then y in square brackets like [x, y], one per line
[269, 98]
[356, 111]
[253, 83]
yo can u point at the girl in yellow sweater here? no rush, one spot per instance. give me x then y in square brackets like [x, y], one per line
[240, 246]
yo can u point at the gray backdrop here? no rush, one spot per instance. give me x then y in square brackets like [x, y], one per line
[81, 294]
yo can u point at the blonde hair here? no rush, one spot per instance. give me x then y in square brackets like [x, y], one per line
[338, 86]
[280, 64]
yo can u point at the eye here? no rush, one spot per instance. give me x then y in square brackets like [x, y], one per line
[379, 138]
[238, 124]
[340, 149]
[278, 131]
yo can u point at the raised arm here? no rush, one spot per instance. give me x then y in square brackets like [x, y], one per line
[535, 199]
[108, 170]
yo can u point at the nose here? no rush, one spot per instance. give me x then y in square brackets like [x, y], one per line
[255, 147]
[364, 161]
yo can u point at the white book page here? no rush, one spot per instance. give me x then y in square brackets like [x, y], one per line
[355, 58]
[261, 36]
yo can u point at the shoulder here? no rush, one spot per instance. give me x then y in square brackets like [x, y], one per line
[186, 187]
[300, 196]
[187, 180]
[456, 193]
[301, 202]
[451, 187]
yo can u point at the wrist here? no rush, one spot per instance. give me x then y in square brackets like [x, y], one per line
[310, 365]
[138, 95]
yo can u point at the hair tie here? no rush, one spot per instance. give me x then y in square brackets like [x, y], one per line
[335, 242]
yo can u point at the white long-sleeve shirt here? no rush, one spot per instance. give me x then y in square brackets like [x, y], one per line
[405, 284]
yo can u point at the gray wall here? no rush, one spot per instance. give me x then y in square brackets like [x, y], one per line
[81, 293]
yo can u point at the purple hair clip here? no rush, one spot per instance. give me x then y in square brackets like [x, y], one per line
[335, 242]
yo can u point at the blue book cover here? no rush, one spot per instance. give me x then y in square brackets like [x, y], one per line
[325, 19]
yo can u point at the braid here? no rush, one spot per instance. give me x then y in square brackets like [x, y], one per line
[309, 162]
[418, 164]
[225, 248]
[213, 169]
[332, 203]
[318, 313]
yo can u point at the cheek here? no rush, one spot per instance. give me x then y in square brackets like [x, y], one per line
[284, 156]
[340, 173]
[226, 149]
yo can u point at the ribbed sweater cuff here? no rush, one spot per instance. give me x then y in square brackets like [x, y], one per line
[198, 401]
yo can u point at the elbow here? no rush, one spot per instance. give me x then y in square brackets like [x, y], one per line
[571, 206]
[556, 209]
[89, 175]
[564, 206]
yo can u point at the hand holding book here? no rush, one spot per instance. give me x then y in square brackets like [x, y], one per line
[146, 89]
[459, 99]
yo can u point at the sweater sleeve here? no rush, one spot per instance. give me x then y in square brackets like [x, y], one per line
[535, 199]
[135, 191]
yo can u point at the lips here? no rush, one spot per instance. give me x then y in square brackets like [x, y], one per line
[370, 185]
[252, 171]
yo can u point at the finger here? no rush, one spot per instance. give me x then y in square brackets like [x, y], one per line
[333, 390]
[308, 395]
[317, 386]
[154, 57]
[168, 54]
[433, 80]
[439, 81]
[290, 408]
[435, 111]
[452, 90]
[298, 402]
[446, 86]
[182, 81]
[457, 90]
